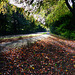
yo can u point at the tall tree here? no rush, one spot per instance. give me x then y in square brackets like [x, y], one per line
[71, 5]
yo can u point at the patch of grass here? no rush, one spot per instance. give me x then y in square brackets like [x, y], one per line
[44, 33]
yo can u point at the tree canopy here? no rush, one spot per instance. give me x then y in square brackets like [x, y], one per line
[46, 13]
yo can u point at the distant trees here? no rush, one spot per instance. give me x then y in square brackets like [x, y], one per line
[17, 24]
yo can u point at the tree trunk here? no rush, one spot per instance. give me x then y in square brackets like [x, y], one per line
[72, 9]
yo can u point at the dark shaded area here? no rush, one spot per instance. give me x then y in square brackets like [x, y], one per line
[71, 8]
[16, 23]
[64, 26]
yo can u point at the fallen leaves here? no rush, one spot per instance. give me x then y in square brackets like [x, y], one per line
[45, 57]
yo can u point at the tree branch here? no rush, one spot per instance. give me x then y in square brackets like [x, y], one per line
[31, 2]
[68, 5]
[73, 4]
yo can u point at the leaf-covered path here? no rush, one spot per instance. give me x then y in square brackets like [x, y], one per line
[51, 56]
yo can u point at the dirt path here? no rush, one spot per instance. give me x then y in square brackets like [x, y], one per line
[22, 35]
[13, 38]
[13, 43]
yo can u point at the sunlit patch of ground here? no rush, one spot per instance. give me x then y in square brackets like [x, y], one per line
[51, 56]
[12, 38]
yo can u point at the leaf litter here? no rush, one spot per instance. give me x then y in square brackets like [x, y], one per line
[51, 56]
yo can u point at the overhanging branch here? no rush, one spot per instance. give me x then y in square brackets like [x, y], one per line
[68, 5]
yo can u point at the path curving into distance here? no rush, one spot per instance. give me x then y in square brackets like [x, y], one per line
[28, 41]
[68, 45]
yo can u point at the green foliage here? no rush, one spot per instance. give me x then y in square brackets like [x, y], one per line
[5, 7]
[48, 3]
[60, 21]
[16, 23]
[58, 11]
[13, 20]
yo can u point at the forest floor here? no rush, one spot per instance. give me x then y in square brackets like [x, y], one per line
[51, 56]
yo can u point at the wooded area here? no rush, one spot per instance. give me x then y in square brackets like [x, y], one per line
[45, 53]
[14, 21]
[58, 14]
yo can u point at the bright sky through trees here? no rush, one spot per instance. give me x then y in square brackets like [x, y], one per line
[29, 7]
